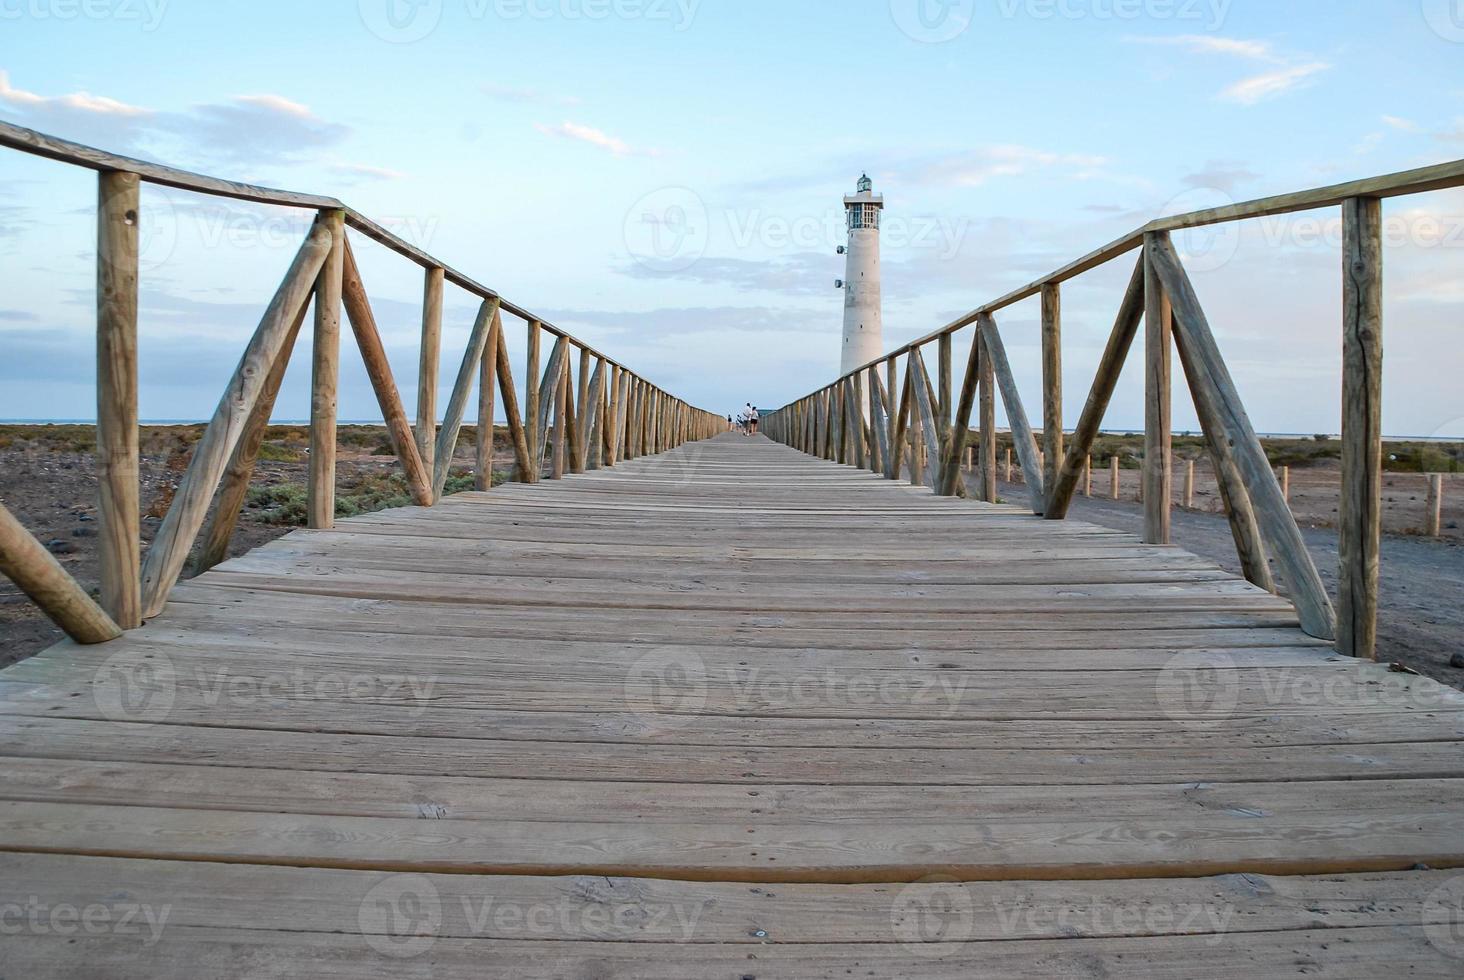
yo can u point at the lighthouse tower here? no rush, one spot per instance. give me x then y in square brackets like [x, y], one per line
[863, 319]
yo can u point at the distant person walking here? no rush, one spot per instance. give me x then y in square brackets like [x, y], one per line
[751, 419]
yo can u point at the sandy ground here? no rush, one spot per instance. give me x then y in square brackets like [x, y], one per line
[1421, 601]
[51, 487]
[53, 493]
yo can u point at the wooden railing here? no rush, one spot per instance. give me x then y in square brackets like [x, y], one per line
[612, 414]
[920, 425]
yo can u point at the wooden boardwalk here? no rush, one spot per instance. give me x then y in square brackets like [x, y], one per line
[729, 711]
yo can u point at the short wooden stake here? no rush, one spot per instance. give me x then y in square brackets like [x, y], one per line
[1434, 511]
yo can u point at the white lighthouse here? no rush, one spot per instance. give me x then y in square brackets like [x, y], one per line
[863, 319]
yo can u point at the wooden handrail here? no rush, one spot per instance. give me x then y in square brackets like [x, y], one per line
[223, 461]
[78, 154]
[1160, 296]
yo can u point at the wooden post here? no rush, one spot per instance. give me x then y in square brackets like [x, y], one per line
[595, 424]
[579, 449]
[943, 346]
[879, 448]
[1088, 475]
[1113, 467]
[1360, 509]
[1158, 478]
[1434, 511]
[118, 522]
[548, 393]
[571, 420]
[27, 563]
[944, 407]
[616, 417]
[987, 394]
[180, 527]
[915, 423]
[487, 364]
[378, 369]
[930, 423]
[1008, 476]
[1052, 448]
[457, 404]
[516, 421]
[896, 433]
[324, 380]
[561, 421]
[533, 399]
[960, 423]
[1189, 484]
[1283, 476]
[427, 367]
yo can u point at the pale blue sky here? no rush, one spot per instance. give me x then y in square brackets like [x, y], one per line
[527, 141]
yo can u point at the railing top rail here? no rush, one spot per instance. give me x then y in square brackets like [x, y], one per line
[78, 154]
[1437, 177]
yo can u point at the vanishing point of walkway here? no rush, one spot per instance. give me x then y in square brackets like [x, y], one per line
[729, 711]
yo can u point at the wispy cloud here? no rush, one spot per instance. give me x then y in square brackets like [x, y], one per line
[77, 101]
[1258, 88]
[1399, 123]
[1293, 71]
[1207, 44]
[254, 129]
[594, 137]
